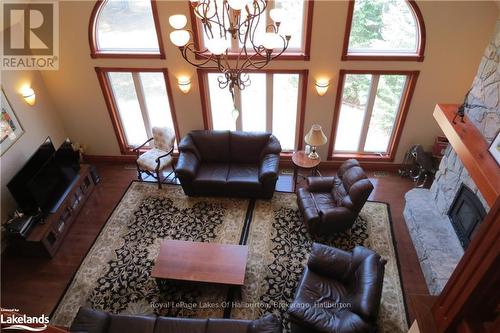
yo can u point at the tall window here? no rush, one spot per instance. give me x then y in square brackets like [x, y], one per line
[370, 113]
[271, 103]
[125, 28]
[298, 24]
[137, 101]
[384, 29]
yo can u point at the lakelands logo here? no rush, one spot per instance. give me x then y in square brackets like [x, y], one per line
[30, 35]
[15, 321]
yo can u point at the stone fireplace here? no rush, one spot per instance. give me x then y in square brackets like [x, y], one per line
[438, 246]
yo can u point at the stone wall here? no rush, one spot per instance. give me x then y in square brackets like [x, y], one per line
[483, 109]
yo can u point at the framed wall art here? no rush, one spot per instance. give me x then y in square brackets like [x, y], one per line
[10, 127]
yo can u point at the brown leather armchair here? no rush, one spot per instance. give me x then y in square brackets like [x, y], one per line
[228, 163]
[332, 204]
[339, 292]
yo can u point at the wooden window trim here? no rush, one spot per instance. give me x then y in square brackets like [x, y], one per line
[304, 73]
[96, 53]
[113, 108]
[418, 56]
[304, 56]
[398, 123]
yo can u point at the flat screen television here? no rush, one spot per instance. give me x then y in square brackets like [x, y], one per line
[42, 181]
[48, 185]
[18, 184]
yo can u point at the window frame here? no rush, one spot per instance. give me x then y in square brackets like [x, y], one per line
[301, 100]
[417, 56]
[92, 32]
[304, 55]
[112, 107]
[404, 106]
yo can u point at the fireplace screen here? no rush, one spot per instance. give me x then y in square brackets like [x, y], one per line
[466, 213]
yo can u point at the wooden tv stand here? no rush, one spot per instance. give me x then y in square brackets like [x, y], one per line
[45, 238]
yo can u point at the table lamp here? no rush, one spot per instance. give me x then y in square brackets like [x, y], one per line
[315, 138]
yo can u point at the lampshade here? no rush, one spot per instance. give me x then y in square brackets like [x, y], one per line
[237, 4]
[217, 45]
[179, 37]
[177, 21]
[28, 95]
[322, 85]
[271, 40]
[277, 15]
[316, 137]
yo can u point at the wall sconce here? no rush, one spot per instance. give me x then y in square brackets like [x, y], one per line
[184, 83]
[322, 86]
[28, 95]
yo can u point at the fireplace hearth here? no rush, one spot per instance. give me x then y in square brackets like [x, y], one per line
[466, 213]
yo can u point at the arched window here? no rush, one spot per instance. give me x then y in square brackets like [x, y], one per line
[384, 30]
[124, 28]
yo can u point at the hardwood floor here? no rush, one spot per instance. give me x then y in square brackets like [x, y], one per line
[35, 285]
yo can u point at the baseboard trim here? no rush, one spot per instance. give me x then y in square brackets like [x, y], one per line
[119, 159]
[285, 162]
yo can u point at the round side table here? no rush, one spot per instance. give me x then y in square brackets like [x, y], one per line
[301, 161]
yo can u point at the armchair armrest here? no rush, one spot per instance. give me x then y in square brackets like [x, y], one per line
[164, 155]
[329, 261]
[187, 165]
[273, 146]
[187, 145]
[136, 149]
[269, 167]
[320, 184]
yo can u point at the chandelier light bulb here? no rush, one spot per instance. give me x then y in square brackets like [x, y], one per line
[217, 46]
[177, 21]
[237, 4]
[179, 37]
[277, 15]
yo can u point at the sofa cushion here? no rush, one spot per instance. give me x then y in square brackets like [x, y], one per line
[243, 177]
[131, 324]
[212, 175]
[227, 326]
[246, 147]
[90, 321]
[184, 325]
[213, 146]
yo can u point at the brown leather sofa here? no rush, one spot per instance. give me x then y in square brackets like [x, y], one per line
[332, 204]
[94, 321]
[339, 292]
[228, 163]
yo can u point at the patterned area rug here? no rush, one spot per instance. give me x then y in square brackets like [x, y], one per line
[279, 248]
[115, 274]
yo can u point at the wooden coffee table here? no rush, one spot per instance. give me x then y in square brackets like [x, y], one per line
[201, 262]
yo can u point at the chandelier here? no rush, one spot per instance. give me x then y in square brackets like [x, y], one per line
[229, 23]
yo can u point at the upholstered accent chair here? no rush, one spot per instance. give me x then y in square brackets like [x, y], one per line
[339, 291]
[331, 204]
[159, 157]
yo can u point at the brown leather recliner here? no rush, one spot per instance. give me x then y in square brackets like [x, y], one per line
[332, 204]
[228, 163]
[95, 321]
[339, 292]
